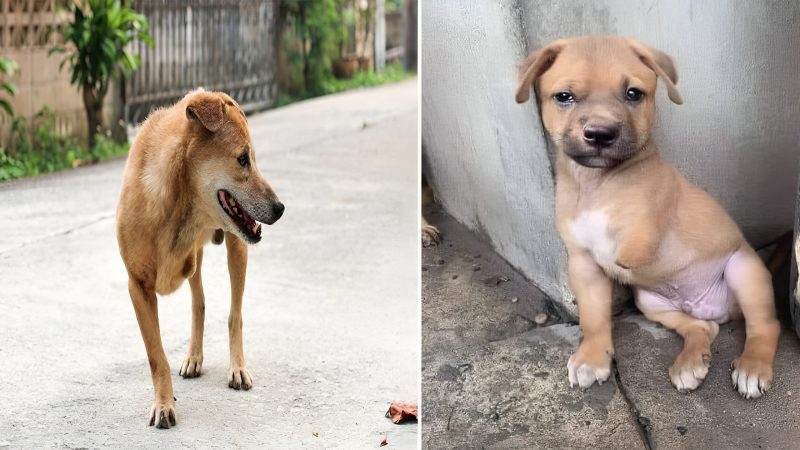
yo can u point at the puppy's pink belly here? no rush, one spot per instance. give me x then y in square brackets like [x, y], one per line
[700, 292]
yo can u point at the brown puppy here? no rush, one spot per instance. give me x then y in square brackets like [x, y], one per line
[191, 174]
[625, 214]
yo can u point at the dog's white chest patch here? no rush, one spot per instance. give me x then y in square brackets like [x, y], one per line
[590, 231]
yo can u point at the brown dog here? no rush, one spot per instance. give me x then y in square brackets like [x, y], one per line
[625, 214]
[191, 174]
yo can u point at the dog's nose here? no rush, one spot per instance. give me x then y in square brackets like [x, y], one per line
[277, 209]
[600, 135]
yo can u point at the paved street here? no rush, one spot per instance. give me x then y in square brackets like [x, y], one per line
[331, 309]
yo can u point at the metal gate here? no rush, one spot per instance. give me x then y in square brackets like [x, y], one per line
[221, 45]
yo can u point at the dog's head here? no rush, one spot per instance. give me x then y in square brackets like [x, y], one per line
[230, 188]
[597, 95]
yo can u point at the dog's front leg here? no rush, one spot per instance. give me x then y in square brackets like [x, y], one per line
[238, 376]
[638, 245]
[751, 283]
[592, 289]
[193, 362]
[145, 303]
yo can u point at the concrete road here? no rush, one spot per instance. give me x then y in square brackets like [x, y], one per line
[331, 310]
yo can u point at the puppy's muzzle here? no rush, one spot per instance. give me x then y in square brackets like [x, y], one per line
[600, 135]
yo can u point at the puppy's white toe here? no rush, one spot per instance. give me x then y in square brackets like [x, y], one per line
[687, 379]
[584, 375]
[749, 385]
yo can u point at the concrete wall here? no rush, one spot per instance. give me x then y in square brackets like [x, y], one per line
[736, 135]
[24, 38]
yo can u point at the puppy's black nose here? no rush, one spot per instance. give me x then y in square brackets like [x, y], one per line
[600, 135]
[277, 209]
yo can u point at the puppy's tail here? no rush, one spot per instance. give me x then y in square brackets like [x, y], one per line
[219, 236]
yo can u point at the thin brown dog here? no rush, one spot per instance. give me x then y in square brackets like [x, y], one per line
[625, 214]
[190, 174]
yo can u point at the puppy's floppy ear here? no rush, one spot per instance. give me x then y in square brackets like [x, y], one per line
[533, 67]
[660, 63]
[206, 109]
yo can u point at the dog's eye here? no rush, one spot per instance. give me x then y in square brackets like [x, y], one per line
[633, 95]
[564, 97]
[244, 160]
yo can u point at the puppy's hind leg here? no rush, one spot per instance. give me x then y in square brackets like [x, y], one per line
[751, 283]
[691, 366]
[238, 376]
[193, 362]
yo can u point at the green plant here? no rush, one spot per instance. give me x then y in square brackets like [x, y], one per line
[35, 147]
[392, 73]
[7, 67]
[98, 34]
[317, 32]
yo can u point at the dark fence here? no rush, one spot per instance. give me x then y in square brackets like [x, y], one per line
[221, 45]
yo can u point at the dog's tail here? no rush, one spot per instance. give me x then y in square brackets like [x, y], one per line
[219, 236]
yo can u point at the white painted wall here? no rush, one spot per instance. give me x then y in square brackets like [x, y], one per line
[736, 135]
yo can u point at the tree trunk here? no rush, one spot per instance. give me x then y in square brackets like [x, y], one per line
[93, 105]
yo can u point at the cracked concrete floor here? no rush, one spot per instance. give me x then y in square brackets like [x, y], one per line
[494, 378]
[331, 309]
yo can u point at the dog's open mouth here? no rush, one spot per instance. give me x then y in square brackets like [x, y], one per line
[240, 217]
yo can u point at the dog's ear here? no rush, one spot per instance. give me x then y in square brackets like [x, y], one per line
[533, 67]
[207, 110]
[660, 63]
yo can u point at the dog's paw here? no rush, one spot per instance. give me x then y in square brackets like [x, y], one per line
[239, 378]
[587, 366]
[751, 376]
[162, 414]
[430, 235]
[191, 366]
[689, 370]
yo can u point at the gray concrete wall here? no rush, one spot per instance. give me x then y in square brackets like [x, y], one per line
[736, 135]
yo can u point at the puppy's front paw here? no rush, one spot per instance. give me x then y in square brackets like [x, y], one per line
[689, 370]
[162, 414]
[430, 235]
[588, 365]
[190, 368]
[751, 376]
[239, 378]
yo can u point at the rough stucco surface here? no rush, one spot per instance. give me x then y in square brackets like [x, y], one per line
[736, 134]
[484, 153]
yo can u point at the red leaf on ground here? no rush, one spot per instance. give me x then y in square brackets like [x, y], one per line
[384, 442]
[400, 411]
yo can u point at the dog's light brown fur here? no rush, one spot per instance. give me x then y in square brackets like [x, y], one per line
[649, 207]
[168, 210]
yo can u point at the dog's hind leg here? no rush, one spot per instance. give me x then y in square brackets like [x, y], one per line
[751, 283]
[193, 361]
[691, 366]
[238, 376]
[145, 304]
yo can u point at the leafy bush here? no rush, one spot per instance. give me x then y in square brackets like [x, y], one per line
[330, 85]
[35, 147]
[318, 33]
[99, 32]
[7, 67]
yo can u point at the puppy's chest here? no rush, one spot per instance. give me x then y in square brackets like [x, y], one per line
[592, 231]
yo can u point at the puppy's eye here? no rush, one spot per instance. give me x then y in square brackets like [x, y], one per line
[244, 160]
[564, 97]
[633, 95]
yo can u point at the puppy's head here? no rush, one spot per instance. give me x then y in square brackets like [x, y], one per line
[597, 95]
[231, 190]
